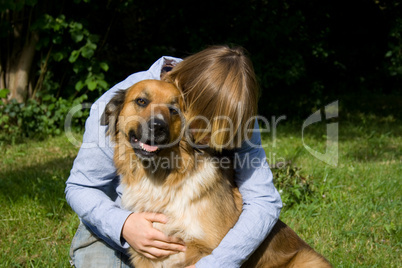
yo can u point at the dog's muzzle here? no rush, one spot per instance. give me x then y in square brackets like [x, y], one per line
[148, 140]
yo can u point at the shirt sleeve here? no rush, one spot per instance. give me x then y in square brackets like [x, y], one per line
[93, 188]
[261, 207]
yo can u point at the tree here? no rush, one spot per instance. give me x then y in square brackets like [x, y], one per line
[40, 38]
[301, 49]
[17, 53]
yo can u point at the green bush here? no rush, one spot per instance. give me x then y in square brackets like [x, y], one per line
[292, 186]
[35, 119]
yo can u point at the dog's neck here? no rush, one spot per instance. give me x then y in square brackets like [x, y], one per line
[167, 167]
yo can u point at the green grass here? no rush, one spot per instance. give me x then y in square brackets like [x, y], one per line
[352, 218]
[36, 223]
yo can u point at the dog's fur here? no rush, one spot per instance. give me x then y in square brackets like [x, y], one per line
[187, 185]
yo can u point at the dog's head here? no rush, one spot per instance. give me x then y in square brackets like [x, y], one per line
[147, 115]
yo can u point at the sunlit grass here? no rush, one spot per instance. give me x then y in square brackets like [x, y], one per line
[36, 223]
[353, 217]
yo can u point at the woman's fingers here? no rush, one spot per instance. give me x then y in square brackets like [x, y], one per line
[139, 232]
[169, 246]
[155, 217]
[159, 236]
[157, 253]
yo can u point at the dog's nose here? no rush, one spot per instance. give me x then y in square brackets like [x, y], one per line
[159, 131]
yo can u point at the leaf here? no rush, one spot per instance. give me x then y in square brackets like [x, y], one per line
[77, 36]
[104, 66]
[3, 93]
[79, 85]
[76, 25]
[74, 56]
[103, 84]
[88, 50]
[92, 85]
[51, 106]
[46, 97]
[58, 56]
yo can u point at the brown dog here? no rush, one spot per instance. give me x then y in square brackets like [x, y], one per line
[162, 173]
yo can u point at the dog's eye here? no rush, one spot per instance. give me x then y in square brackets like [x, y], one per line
[141, 102]
[173, 111]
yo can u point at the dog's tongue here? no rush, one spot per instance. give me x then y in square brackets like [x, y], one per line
[149, 148]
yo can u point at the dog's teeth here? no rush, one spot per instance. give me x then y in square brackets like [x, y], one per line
[148, 148]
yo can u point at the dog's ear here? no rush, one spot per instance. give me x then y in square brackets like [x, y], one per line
[112, 111]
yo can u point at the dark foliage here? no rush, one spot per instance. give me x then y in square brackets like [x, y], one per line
[305, 53]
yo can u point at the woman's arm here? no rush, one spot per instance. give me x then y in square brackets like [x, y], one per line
[93, 190]
[261, 207]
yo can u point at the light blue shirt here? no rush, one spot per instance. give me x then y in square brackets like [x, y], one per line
[93, 189]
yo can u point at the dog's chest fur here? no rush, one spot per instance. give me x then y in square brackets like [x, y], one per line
[180, 202]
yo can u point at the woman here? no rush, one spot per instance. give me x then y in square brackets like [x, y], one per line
[218, 84]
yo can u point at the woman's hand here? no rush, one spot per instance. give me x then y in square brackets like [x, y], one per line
[140, 234]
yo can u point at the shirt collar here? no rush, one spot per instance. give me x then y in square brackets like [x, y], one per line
[156, 68]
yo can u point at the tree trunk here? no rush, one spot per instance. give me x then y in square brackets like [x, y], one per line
[18, 55]
[18, 74]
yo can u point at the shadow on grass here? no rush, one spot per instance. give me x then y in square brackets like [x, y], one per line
[370, 138]
[43, 183]
[375, 152]
[358, 115]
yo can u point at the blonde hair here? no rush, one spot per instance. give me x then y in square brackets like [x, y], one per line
[221, 94]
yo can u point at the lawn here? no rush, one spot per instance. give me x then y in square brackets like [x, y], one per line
[352, 215]
[36, 223]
